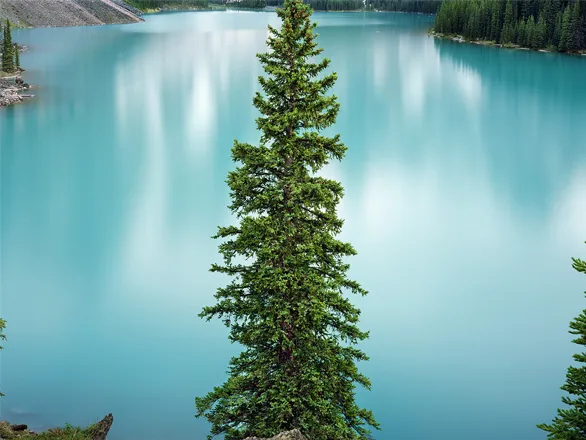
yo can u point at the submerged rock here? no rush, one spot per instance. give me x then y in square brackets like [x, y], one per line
[289, 435]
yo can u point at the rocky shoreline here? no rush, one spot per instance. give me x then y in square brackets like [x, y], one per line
[98, 431]
[10, 88]
[49, 13]
[461, 39]
[14, 431]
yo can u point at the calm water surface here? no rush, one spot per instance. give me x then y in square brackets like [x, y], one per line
[465, 198]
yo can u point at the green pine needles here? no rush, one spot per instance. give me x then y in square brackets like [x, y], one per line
[570, 424]
[16, 58]
[7, 50]
[285, 304]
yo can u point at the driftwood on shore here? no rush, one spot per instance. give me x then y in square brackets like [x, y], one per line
[103, 427]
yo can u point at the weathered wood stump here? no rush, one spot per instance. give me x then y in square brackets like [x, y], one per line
[103, 428]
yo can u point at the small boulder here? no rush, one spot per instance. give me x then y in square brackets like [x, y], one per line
[19, 427]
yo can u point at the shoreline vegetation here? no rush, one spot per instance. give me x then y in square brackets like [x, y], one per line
[408, 6]
[543, 25]
[95, 431]
[540, 25]
[11, 82]
[462, 39]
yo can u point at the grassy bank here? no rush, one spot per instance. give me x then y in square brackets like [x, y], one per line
[96, 431]
[67, 433]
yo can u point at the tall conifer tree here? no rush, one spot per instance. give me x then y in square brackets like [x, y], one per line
[7, 50]
[530, 32]
[577, 32]
[549, 16]
[16, 58]
[566, 33]
[286, 303]
[508, 33]
[540, 33]
[557, 33]
[570, 423]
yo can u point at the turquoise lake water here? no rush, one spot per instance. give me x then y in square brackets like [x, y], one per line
[465, 199]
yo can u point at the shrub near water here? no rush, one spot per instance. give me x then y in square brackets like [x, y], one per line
[67, 433]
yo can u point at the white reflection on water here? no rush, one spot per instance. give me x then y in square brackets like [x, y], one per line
[200, 117]
[154, 251]
[470, 85]
[422, 71]
[392, 199]
[144, 235]
[380, 61]
[569, 217]
[419, 65]
[154, 256]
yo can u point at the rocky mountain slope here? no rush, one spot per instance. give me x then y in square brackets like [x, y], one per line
[39, 13]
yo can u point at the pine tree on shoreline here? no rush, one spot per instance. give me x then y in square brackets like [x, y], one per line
[7, 50]
[16, 58]
[570, 424]
[286, 304]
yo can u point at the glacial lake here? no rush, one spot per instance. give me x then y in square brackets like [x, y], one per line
[465, 198]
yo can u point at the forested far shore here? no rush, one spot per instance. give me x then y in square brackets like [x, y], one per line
[419, 6]
[556, 25]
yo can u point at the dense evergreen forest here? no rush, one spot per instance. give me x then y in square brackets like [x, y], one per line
[422, 6]
[146, 5]
[536, 24]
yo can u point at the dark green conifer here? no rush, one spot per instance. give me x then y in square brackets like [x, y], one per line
[557, 33]
[16, 58]
[549, 16]
[496, 22]
[522, 33]
[508, 33]
[286, 305]
[525, 9]
[7, 50]
[540, 33]
[577, 32]
[530, 32]
[566, 33]
[570, 423]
